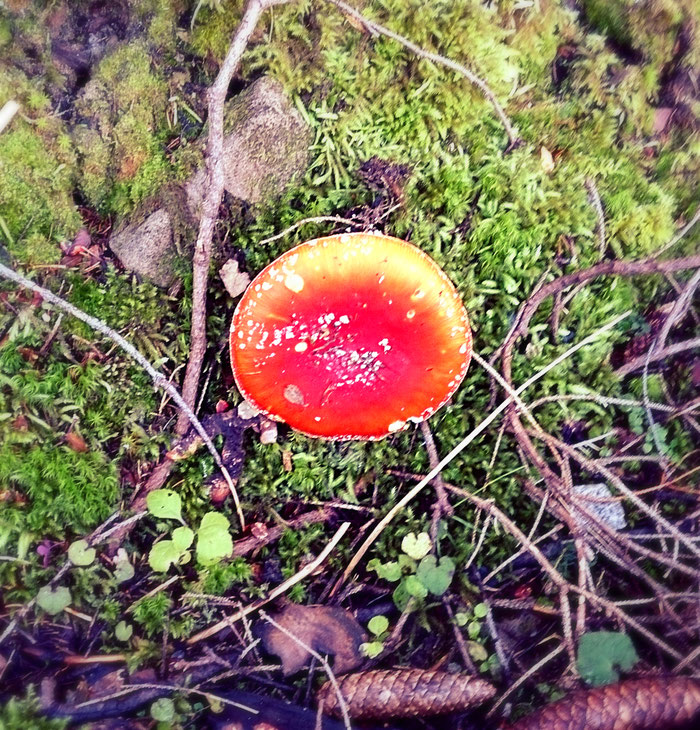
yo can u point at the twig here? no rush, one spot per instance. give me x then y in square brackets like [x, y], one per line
[669, 351]
[303, 222]
[211, 202]
[442, 506]
[495, 413]
[283, 587]
[594, 197]
[323, 661]
[680, 233]
[513, 138]
[158, 378]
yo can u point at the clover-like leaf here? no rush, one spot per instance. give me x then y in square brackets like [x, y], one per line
[601, 653]
[164, 503]
[414, 587]
[123, 631]
[163, 710]
[214, 540]
[372, 649]
[163, 554]
[53, 600]
[123, 569]
[481, 610]
[436, 576]
[80, 553]
[416, 546]
[183, 537]
[378, 625]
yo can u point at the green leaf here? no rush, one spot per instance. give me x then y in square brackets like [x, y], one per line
[601, 653]
[123, 631]
[477, 651]
[481, 610]
[53, 600]
[163, 554]
[164, 503]
[123, 569]
[414, 587]
[80, 553]
[436, 576]
[389, 571]
[461, 618]
[214, 540]
[378, 625]
[183, 537]
[416, 546]
[372, 649]
[163, 710]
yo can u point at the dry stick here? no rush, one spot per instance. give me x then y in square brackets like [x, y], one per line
[556, 444]
[495, 413]
[563, 585]
[210, 208]
[442, 506]
[669, 351]
[326, 666]
[513, 139]
[278, 591]
[304, 221]
[158, 378]
[594, 197]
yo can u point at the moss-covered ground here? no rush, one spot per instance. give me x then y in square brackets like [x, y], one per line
[586, 84]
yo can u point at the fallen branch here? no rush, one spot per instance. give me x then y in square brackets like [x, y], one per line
[212, 200]
[657, 355]
[513, 139]
[158, 378]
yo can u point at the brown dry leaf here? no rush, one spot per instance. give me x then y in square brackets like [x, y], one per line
[327, 630]
[76, 442]
[235, 281]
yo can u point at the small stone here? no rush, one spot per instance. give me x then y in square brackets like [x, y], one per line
[147, 248]
[246, 411]
[268, 432]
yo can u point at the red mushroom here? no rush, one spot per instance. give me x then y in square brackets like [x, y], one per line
[350, 337]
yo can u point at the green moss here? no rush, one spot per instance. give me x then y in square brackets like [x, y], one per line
[122, 114]
[21, 713]
[36, 174]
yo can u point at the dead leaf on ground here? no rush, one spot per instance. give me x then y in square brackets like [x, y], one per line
[235, 281]
[327, 630]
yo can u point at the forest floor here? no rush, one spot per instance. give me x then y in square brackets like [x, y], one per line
[546, 154]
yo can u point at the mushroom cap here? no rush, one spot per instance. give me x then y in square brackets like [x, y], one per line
[350, 337]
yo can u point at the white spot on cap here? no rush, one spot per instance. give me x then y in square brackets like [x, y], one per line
[410, 314]
[463, 348]
[301, 347]
[266, 285]
[294, 395]
[417, 294]
[396, 426]
[294, 282]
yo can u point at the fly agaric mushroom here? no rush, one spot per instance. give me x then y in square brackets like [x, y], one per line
[350, 337]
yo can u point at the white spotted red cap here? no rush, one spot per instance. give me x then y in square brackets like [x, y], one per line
[350, 337]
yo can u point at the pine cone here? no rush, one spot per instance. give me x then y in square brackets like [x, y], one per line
[654, 703]
[385, 693]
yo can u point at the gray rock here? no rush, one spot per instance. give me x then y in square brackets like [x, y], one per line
[146, 248]
[266, 145]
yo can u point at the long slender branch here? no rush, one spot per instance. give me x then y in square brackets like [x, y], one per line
[212, 200]
[495, 413]
[513, 138]
[158, 378]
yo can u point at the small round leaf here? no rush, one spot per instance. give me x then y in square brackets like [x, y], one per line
[164, 503]
[123, 631]
[80, 553]
[416, 546]
[53, 600]
[378, 625]
[163, 710]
